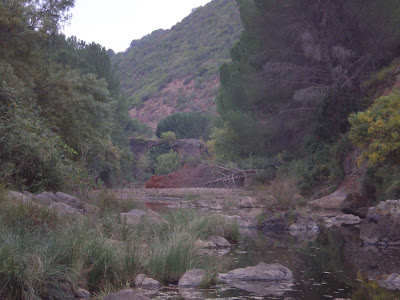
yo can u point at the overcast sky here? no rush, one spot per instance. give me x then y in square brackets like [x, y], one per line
[114, 24]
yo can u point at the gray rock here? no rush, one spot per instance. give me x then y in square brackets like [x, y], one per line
[205, 245]
[136, 216]
[263, 288]
[220, 242]
[356, 204]
[139, 279]
[21, 197]
[64, 209]
[142, 280]
[45, 198]
[392, 282]
[260, 272]
[382, 223]
[192, 278]
[82, 294]
[150, 283]
[125, 295]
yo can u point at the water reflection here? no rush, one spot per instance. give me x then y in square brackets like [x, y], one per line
[332, 264]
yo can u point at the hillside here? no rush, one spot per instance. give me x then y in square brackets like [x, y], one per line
[176, 70]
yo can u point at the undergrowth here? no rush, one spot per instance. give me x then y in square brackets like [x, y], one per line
[48, 256]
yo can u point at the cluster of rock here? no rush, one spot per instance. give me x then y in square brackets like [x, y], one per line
[381, 225]
[62, 203]
[294, 221]
[262, 279]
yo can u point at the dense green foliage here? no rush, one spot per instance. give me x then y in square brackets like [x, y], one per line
[190, 50]
[188, 125]
[135, 128]
[62, 117]
[167, 163]
[295, 77]
[377, 130]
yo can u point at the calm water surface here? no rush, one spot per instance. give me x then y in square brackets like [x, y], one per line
[328, 265]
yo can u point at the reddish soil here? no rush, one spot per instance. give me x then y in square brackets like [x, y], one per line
[187, 176]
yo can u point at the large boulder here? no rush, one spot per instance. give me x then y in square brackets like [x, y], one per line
[125, 295]
[78, 205]
[382, 224]
[356, 204]
[50, 200]
[192, 278]
[75, 203]
[260, 272]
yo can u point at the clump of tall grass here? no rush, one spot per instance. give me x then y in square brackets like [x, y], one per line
[173, 250]
[172, 256]
[284, 192]
[45, 256]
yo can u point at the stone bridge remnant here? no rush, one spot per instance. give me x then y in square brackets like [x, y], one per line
[185, 148]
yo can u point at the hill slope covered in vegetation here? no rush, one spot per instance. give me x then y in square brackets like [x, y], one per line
[176, 70]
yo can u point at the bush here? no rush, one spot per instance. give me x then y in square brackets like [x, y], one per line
[168, 136]
[167, 163]
[377, 130]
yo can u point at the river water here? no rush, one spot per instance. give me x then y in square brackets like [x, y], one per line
[329, 265]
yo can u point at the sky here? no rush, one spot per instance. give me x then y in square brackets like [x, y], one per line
[114, 24]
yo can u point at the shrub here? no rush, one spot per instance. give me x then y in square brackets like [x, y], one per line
[168, 136]
[284, 192]
[167, 163]
[377, 130]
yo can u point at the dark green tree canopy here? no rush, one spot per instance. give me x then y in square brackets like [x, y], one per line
[188, 125]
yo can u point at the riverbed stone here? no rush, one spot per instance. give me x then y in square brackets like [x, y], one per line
[220, 242]
[356, 204]
[21, 197]
[192, 278]
[260, 272]
[65, 209]
[392, 282]
[141, 280]
[205, 244]
[82, 294]
[135, 216]
[125, 295]
[382, 224]
[263, 288]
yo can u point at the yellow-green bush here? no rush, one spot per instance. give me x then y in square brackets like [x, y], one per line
[377, 130]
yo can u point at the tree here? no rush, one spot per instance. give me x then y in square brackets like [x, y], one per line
[187, 125]
[296, 57]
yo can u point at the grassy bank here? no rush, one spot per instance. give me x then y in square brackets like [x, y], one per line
[48, 256]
